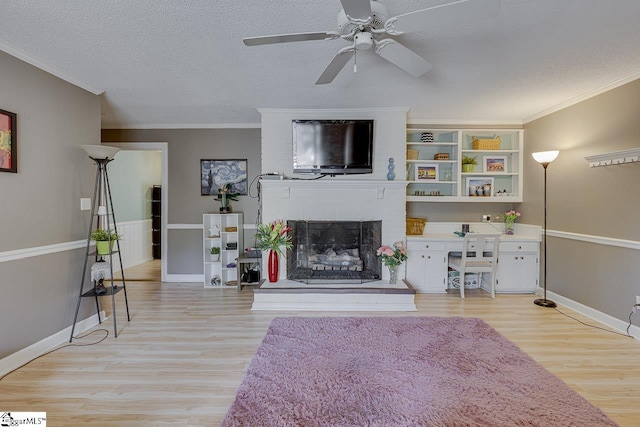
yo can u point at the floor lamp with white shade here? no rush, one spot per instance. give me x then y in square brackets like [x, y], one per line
[544, 158]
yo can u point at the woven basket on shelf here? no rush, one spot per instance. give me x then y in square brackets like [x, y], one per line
[441, 156]
[415, 226]
[412, 154]
[485, 143]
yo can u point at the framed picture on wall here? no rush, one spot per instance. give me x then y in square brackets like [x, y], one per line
[8, 142]
[216, 173]
[495, 164]
[426, 172]
[478, 186]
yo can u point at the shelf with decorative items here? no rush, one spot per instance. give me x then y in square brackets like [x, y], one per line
[495, 176]
[464, 165]
[432, 164]
[222, 242]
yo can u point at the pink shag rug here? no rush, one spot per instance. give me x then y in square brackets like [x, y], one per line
[407, 371]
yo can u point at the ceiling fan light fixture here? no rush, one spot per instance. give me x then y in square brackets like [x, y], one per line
[363, 41]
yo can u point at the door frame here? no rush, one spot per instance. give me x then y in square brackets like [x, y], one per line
[163, 147]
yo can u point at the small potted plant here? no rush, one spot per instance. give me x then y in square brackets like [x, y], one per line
[104, 240]
[468, 163]
[224, 196]
[215, 254]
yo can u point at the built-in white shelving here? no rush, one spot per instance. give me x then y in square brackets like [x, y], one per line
[495, 178]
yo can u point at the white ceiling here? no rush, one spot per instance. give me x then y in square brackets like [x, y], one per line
[165, 63]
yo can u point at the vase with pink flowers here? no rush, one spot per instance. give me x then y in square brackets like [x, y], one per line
[392, 257]
[509, 219]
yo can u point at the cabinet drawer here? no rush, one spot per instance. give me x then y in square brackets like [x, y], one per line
[425, 246]
[518, 246]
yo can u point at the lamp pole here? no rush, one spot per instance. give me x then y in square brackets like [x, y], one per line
[544, 158]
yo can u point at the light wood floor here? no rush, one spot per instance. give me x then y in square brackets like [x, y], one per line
[184, 353]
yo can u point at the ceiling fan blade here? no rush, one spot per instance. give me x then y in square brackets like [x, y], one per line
[359, 10]
[456, 13]
[288, 38]
[404, 58]
[335, 66]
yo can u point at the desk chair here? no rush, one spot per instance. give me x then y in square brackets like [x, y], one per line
[479, 255]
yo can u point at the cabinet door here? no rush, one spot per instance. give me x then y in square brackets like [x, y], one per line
[415, 269]
[425, 271]
[517, 272]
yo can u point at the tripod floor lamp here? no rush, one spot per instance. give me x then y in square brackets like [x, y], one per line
[544, 158]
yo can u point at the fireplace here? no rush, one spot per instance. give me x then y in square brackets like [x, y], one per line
[334, 251]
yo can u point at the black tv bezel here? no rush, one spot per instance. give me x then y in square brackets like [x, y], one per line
[334, 169]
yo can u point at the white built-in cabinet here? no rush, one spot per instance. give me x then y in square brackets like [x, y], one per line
[426, 266]
[434, 178]
[223, 231]
[518, 267]
[427, 263]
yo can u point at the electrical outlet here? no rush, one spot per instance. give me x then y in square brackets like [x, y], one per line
[637, 299]
[486, 218]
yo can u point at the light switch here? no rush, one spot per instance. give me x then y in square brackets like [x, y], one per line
[85, 203]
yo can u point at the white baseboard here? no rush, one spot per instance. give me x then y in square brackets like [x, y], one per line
[188, 278]
[21, 357]
[607, 320]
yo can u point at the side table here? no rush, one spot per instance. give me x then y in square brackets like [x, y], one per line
[248, 259]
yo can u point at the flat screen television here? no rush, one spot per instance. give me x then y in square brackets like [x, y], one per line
[333, 147]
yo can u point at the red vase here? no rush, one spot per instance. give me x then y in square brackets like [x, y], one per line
[273, 266]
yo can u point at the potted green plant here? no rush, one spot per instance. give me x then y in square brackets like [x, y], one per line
[104, 240]
[215, 254]
[224, 196]
[468, 163]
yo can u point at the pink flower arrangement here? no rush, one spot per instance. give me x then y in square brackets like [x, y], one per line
[392, 256]
[509, 217]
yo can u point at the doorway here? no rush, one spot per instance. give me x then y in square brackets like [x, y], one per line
[162, 147]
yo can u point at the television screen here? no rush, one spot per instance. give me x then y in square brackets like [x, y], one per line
[332, 146]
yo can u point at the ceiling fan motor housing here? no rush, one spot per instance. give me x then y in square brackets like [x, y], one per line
[379, 15]
[363, 41]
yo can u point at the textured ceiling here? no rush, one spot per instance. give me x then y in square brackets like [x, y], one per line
[173, 62]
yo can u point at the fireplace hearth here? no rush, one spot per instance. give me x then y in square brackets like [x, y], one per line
[334, 251]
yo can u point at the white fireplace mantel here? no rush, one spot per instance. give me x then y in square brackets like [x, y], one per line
[285, 185]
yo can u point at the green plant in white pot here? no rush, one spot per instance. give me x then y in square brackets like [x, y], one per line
[468, 163]
[215, 253]
[104, 240]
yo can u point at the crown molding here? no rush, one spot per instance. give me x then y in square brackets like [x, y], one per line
[458, 123]
[583, 97]
[17, 53]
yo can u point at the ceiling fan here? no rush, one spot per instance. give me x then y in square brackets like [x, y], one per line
[366, 23]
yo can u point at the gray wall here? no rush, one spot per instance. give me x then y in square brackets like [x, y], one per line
[40, 205]
[599, 201]
[131, 176]
[186, 206]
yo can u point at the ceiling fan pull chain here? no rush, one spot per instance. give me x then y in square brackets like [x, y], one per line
[355, 62]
